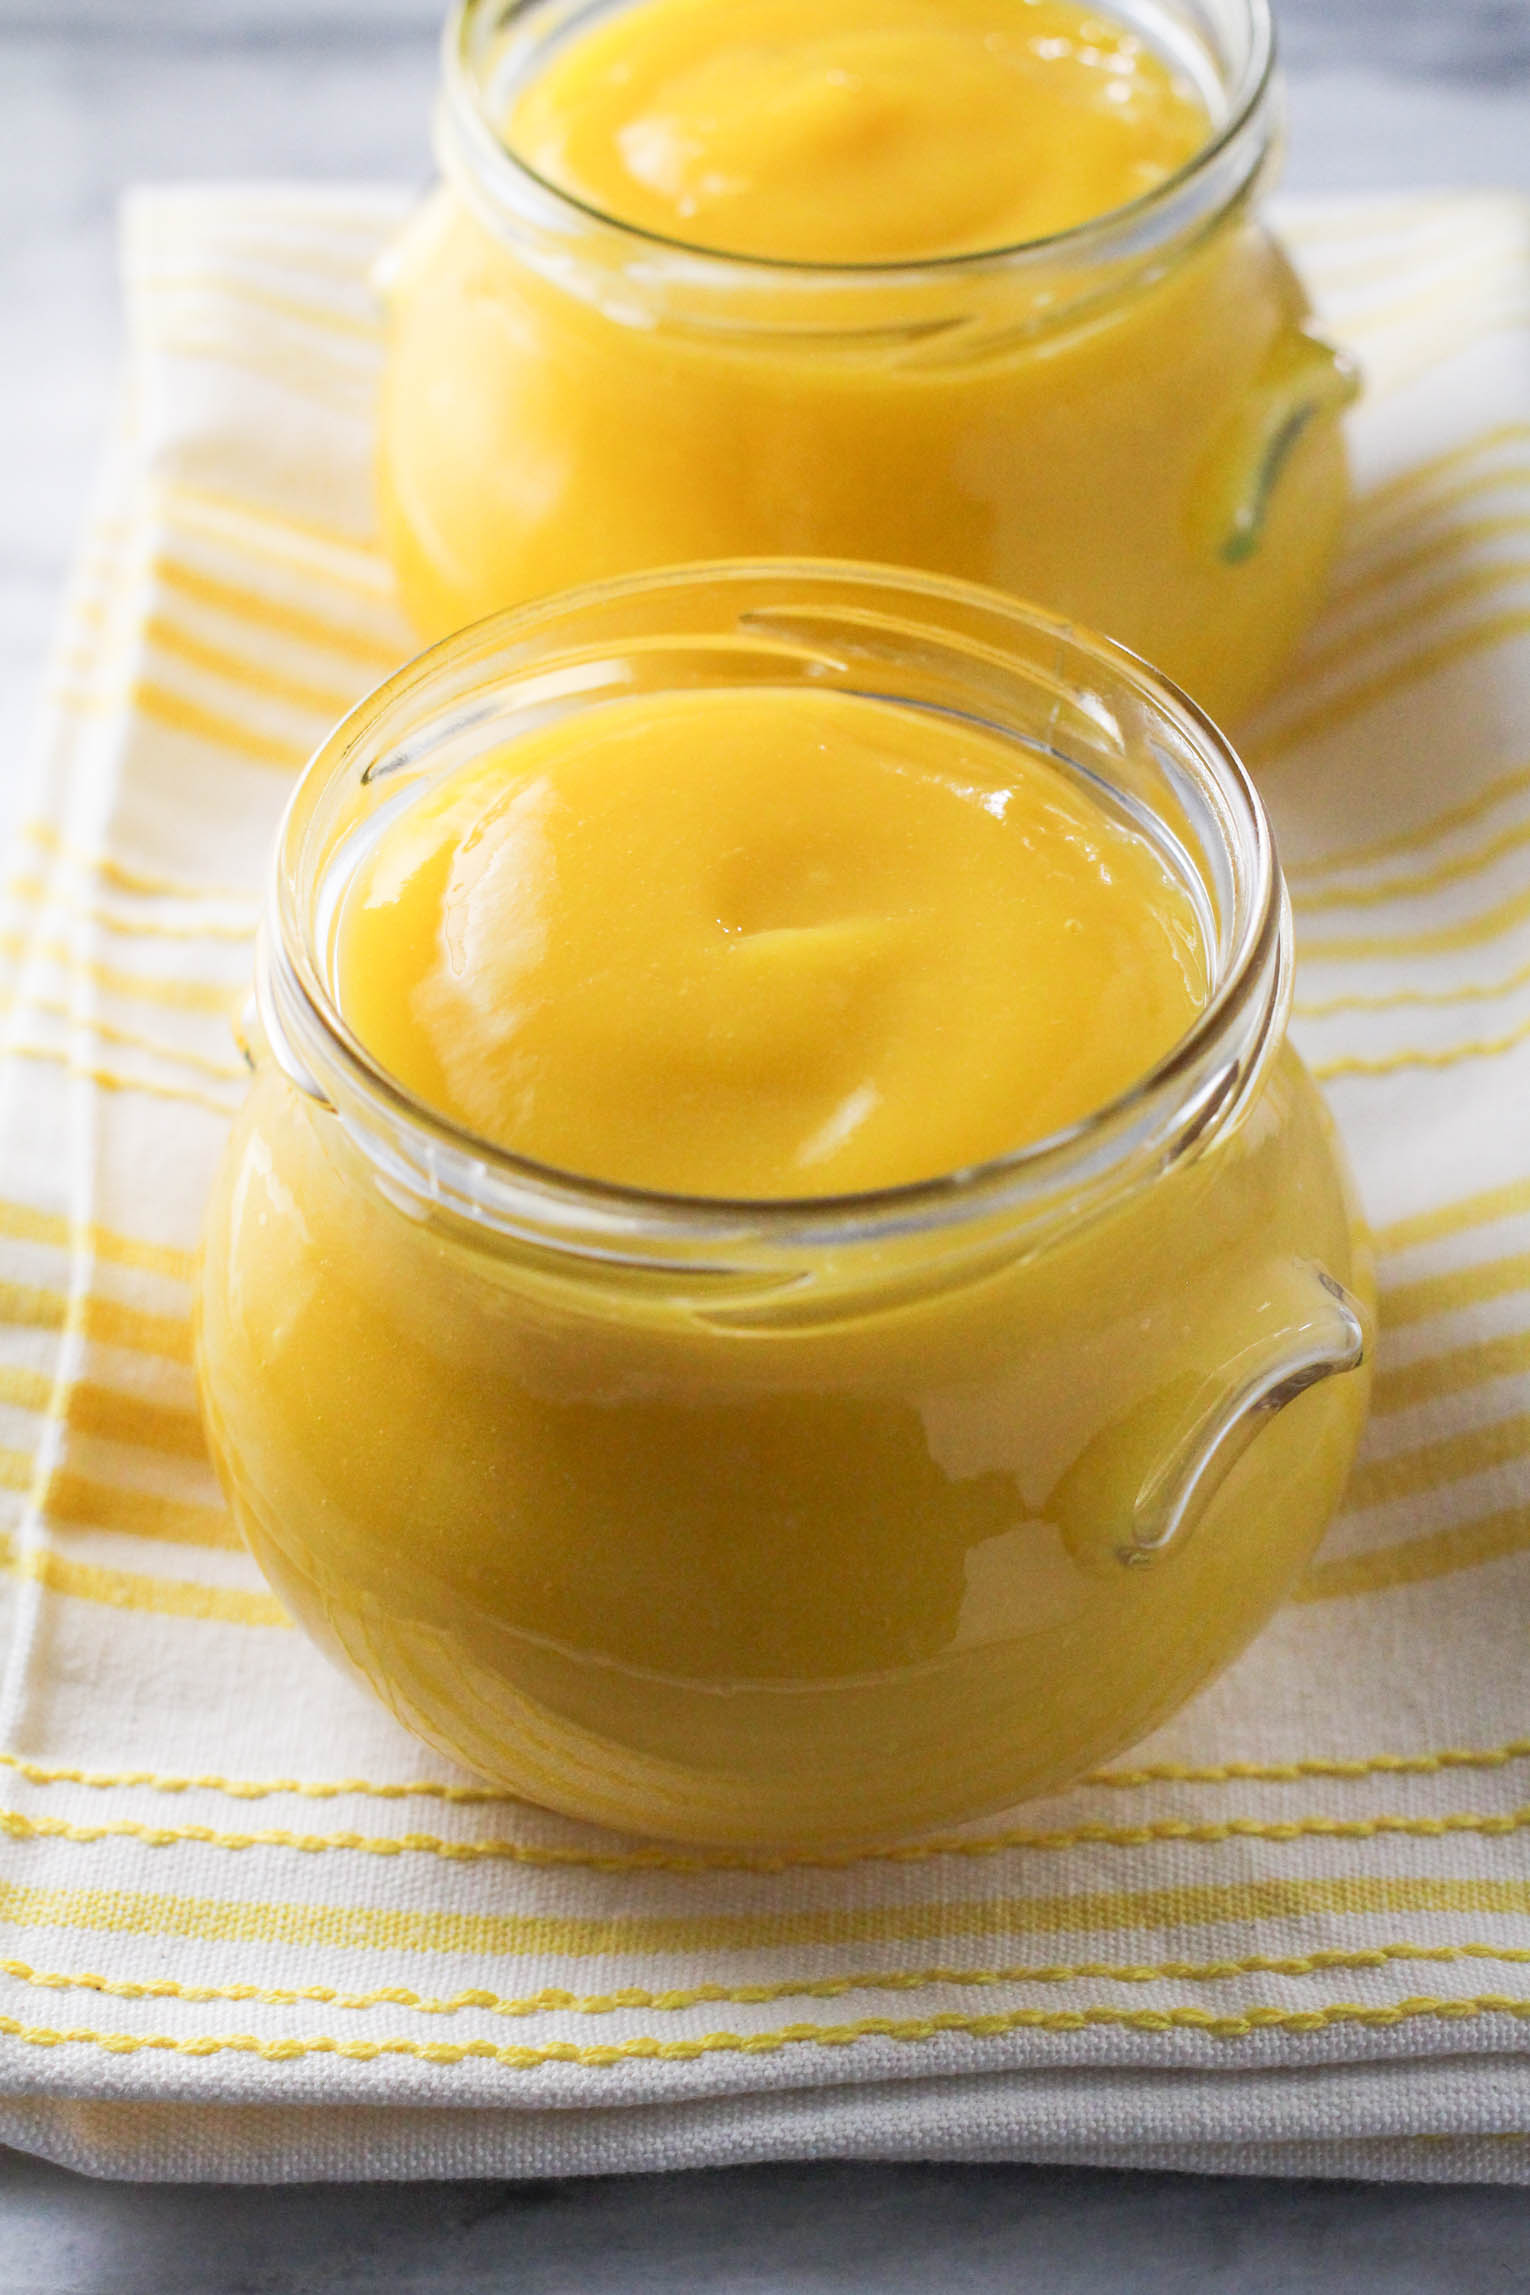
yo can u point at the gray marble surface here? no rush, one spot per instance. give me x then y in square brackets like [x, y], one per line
[822, 2230]
[96, 94]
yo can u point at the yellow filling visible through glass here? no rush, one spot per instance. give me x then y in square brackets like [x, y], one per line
[856, 131]
[760, 942]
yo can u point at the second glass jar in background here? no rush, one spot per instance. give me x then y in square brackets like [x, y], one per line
[1130, 423]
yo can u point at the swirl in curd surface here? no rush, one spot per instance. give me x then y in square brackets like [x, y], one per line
[867, 131]
[764, 943]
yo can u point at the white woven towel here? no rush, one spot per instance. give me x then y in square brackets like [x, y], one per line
[247, 1928]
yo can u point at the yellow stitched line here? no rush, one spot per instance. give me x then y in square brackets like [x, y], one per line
[481, 1796]
[1481, 1208]
[1432, 531]
[1439, 940]
[1458, 282]
[1337, 280]
[1395, 524]
[259, 1788]
[1474, 582]
[34, 892]
[938, 1924]
[1389, 1063]
[270, 206]
[553, 2000]
[1419, 476]
[1451, 1373]
[107, 548]
[106, 1321]
[298, 258]
[1416, 999]
[1230, 2027]
[131, 1039]
[84, 701]
[17, 1470]
[1429, 833]
[1458, 1287]
[1473, 1450]
[339, 391]
[1417, 1561]
[78, 1501]
[109, 1080]
[1458, 313]
[1361, 579]
[79, 665]
[110, 1414]
[30, 1226]
[1422, 662]
[1435, 326]
[1326, 230]
[179, 715]
[132, 879]
[132, 1590]
[247, 605]
[199, 510]
[1446, 872]
[327, 701]
[1511, 317]
[216, 999]
[1206, 1834]
[213, 285]
[1291, 1772]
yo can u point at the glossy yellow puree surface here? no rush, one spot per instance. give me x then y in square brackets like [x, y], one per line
[764, 943]
[1151, 449]
[859, 131]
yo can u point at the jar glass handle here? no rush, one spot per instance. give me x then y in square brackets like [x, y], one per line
[1303, 378]
[1328, 1337]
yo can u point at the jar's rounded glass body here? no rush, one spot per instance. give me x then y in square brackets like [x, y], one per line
[1131, 423]
[788, 1524]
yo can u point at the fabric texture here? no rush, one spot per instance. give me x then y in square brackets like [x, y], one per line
[248, 1929]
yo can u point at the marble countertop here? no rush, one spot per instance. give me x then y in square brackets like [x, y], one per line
[97, 94]
[820, 2230]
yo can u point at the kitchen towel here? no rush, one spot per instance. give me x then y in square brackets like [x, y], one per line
[248, 1929]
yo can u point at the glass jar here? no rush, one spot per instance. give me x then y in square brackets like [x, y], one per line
[1130, 422]
[802, 1522]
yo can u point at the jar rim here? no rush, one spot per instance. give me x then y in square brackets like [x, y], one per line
[469, 142]
[1190, 1092]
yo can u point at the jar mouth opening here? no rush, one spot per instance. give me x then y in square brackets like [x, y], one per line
[467, 132]
[1188, 1092]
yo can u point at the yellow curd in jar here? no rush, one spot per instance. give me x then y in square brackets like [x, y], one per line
[811, 1521]
[764, 944]
[1132, 425]
[864, 131]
